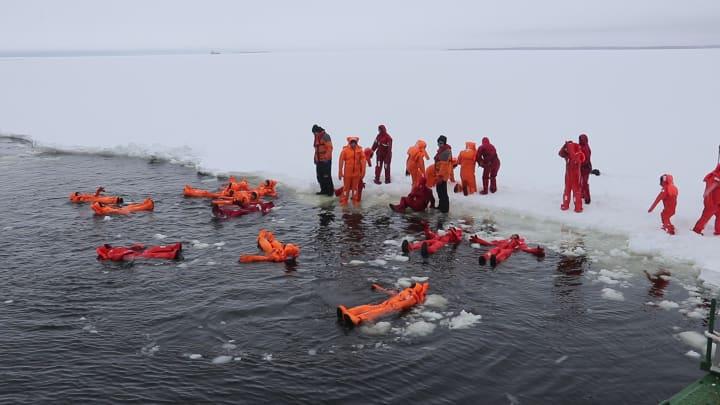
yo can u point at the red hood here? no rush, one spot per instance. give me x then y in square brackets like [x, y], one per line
[583, 140]
[485, 141]
[382, 130]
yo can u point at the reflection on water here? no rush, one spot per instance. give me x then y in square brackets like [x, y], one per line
[658, 282]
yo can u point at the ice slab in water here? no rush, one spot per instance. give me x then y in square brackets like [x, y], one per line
[614, 295]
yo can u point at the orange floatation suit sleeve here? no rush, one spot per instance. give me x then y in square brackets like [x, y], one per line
[401, 301]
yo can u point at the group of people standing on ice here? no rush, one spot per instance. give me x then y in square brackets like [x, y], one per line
[354, 160]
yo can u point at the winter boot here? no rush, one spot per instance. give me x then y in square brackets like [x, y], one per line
[485, 187]
[493, 185]
[482, 260]
[405, 246]
[493, 261]
[424, 250]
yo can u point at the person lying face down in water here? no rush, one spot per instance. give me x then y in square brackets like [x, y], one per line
[433, 241]
[660, 280]
[504, 248]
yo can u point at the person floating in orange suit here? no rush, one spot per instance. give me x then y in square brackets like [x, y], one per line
[399, 301]
[466, 160]
[711, 202]
[433, 241]
[415, 164]
[138, 250]
[351, 170]
[574, 158]
[488, 159]
[668, 195]
[383, 150]
[274, 250]
[504, 248]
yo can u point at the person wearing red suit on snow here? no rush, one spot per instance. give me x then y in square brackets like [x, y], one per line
[488, 159]
[383, 150]
[668, 195]
[574, 159]
[711, 202]
[504, 248]
[585, 168]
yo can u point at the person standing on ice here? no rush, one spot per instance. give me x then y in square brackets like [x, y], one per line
[443, 173]
[668, 195]
[323, 160]
[466, 160]
[383, 150]
[574, 158]
[351, 170]
[585, 168]
[488, 159]
[711, 202]
[415, 165]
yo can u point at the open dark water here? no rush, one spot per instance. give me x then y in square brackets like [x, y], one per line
[74, 330]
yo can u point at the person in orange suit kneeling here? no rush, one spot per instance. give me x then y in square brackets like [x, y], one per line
[668, 195]
[351, 170]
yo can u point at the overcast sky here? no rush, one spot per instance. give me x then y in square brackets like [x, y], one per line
[328, 24]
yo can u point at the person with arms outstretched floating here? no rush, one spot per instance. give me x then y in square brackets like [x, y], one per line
[399, 301]
[504, 248]
[383, 151]
[433, 241]
[574, 158]
[668, 195]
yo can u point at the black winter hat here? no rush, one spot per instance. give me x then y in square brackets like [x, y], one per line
[317, 128]
[443, 139]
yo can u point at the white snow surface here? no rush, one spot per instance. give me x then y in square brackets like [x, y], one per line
[647, 112]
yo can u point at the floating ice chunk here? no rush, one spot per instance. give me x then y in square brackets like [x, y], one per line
[356, 263]
[379, 328]
[222, 359]
[694, 340]
[90, 329]
[267, 356]
[618, 253]
[615, 274]
[607, 280]
[195, 356]
[219, 244]
[419, 328]
[312, 352]
[399, 258]
[696, 314]
[211, 263]
[561, 359]
[391, 242]
[431, 315]
[107, 218]
[8, 302]
[237, 358]
[614, 295]
[7, 228]
[150, 350]
[579, 251]
[464, 320]
[419, 279]
[693, 354]
[82, 318]
[159, 236]
[404, 282]
[182, 265]
[475, 245]
[229, 346]
[665, 304]
[378, 262]
[199, 245]
[436, 300]
[441, 232]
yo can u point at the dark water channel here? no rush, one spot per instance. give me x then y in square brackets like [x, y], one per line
[74, 330]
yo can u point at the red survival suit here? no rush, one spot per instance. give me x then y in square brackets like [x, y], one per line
[711, 201]
[668, 195]
[504, 248]
[418, 199]
[585, 168]
[433, 241]
[120, 253]
[574, 158]
[383, 151]
[488, 159]
[224, 211]
[400, 301]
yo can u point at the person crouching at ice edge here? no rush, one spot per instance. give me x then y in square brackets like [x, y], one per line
[466, 160]
[574, 158]
[274, 250]
[711, 202]
[668, 195]
[351, 170]
[504, 248]
[398, 301]
[418, 199]
[433, 241]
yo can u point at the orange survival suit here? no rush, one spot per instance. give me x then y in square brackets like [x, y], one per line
[668, 195]
[400, 301]
[415, 164]
[574, 158]
[466, 160]
[351, 170]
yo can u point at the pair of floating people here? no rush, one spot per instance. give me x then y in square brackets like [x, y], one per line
[275, 251]
[78, 197]
[265, 188]
[138, 250]
[398, 302]
[111, 209]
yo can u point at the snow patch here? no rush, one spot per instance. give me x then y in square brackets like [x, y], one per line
[613, 295]
[464, 320]
[419, 328]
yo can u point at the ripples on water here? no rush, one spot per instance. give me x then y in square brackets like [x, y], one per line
[77, 330]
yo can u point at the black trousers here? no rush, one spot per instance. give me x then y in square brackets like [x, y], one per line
[324, 178]
[443, 200]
